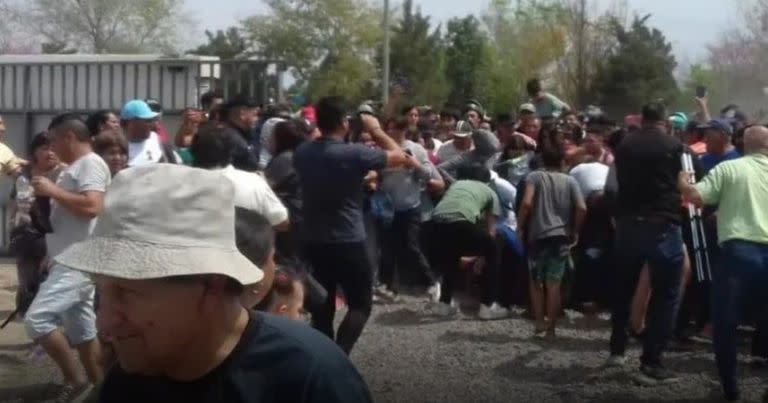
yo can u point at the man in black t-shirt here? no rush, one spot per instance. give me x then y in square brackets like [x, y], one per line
[648, 218]
[170, 281]
[331, 175]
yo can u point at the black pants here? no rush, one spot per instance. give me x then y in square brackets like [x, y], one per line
[448, 242]
[347, 266]
[401, 251]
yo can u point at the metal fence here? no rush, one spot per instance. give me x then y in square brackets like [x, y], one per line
[32, 92]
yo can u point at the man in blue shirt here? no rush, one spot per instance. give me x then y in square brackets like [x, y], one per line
[331, 175]
[717, 135]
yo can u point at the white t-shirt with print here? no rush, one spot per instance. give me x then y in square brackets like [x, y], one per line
[253, 193]
[145, 152]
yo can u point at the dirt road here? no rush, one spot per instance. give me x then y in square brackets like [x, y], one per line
[406, 356]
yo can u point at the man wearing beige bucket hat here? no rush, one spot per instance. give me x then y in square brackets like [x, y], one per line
[169, 276]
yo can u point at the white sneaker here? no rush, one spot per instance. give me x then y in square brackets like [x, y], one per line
[616, 361]
[444, 310]
[434, 292]
[493, 312]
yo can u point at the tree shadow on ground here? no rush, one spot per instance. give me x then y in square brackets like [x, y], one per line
[452, 336]
[519, 371]
[30, 393]
[16, 347]
[409, 317]
[11, 360]
[629, 398]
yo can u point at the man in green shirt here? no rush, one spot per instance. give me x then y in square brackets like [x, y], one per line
[464, 224]
[740, 190]
[547, 105]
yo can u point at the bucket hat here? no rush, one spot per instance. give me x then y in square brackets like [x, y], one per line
[164, 220]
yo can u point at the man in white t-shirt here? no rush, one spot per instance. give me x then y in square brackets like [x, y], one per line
[210, 150]
[144, 145]
[591, 177]
[66, 297]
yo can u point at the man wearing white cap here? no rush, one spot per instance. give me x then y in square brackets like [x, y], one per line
[170, 281]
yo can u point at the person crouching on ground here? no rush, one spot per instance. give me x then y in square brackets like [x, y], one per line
[464, 224]
[550, 218]
[182, 293]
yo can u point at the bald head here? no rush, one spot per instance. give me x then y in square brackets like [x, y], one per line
[756, 140]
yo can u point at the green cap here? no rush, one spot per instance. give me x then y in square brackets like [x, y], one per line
[679, 121]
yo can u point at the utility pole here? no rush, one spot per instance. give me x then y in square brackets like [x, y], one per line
[385, 79]
[581, 44]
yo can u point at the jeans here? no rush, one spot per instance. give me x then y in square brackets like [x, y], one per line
[401, 250]
[660, 244]
[347, 266]
[739, 278]
[448, 242]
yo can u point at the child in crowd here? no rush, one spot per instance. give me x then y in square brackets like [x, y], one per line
[550, 218]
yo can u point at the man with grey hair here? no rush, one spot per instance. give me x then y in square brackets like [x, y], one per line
[66, 297]
[173, 312]
[740, 189]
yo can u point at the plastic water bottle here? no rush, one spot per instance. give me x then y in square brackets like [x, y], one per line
[24, 191]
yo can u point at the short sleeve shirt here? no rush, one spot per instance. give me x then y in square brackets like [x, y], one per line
[253, 193]
[331, 175]
[740, 189]
[276, 361]
[467, 200]
[554, 202]
[549, 106]
[88, 174]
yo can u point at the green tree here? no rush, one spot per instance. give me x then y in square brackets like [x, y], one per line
[526, 39]
[467, 53]
[716, 85]
[104, 26]
[590, 40]
[330, 44]
[639, 70]
[417, 55]
[226, 45]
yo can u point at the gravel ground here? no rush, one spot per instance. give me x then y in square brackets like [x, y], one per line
[406, 355]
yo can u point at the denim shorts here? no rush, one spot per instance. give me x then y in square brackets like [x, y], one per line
[64, 298]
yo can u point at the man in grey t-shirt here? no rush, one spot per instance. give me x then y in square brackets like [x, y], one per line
[550, 218]
[66, 296]
[404, 187]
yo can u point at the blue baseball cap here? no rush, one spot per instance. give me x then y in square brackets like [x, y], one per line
[720, 125]
[137, 110]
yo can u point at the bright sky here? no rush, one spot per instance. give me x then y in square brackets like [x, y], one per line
[689, 24]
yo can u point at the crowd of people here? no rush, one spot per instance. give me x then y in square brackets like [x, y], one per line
[143, 247]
